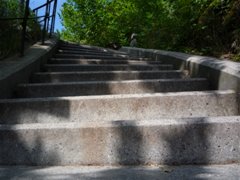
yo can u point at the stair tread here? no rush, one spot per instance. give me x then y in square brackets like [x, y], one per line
[110, 87]
[107, 72]
[59, 61]
[208, 172]
[217, 93]
[115, 82]
[132, 110]
[122, 142]
[99, 59]
[124, 123]
[119, 107]
[104, 67]
[124, 65]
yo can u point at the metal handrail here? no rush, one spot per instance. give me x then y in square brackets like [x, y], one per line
[46, 20]
[39, 7]
[9, 19]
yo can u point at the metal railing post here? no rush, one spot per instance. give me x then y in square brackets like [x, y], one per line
[48, 18]
[25, 12]
[24, 26]
[45, 23]
[53, 18]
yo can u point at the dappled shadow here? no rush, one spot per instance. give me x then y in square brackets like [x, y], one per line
[44, 110]
[173, 144]
[187, 143]
[129, 143]
[177, 142]
[139, 144]
[22, 141]
[120, 173]
[19, 149]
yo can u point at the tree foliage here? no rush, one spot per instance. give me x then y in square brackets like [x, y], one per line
[204, 25]
[10, 30]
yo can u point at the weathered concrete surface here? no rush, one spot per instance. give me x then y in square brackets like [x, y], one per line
[222, 74]
[213, 172]
[91, 56]
[163, 141]
[119, 107]
[92, 67]
[110, 87]
[77, 49]
[88, 47]
[84, 52]
[18, 70]
[47, 77]
[99, 61]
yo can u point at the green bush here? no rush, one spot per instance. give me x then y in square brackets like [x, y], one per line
[207, 26]
[10, 30]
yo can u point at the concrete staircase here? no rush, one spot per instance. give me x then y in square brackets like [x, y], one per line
[99, 107]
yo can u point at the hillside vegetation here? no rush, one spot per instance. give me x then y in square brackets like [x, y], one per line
[10, 30]
[209, 27]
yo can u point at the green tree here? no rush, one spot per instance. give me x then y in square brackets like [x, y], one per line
[9, 36]
[208, 26]
[10, 30]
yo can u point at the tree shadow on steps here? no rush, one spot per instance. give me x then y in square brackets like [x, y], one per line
[30, 151]
[148, 145]
[172, 144]
[43, 110]
[119, 173]
[23, 139]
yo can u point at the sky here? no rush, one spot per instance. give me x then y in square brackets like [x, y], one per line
[36, 3]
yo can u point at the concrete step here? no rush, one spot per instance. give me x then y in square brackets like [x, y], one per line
[207, 172]
[119, 107]
[80, 49]
[100, 61]
[164, 141]
[89, 56]
[110, 87]
[102, 67]
[111, 59]
[90, 48]
[55, 77]
[92, 53]
[81, 46]
[86, 47]
[74, 50]
[101, 53]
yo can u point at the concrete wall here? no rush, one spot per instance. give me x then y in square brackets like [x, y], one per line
[222, 74]
[18, 70]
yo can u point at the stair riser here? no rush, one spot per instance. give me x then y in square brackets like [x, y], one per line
[85, 48]
[88, 53]
[195, 141]
[118, 107]
[76, 51]
[82, 47]
[71, 61]
[71, 68]
[90, 56]
[105, 88]
[73, 77]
